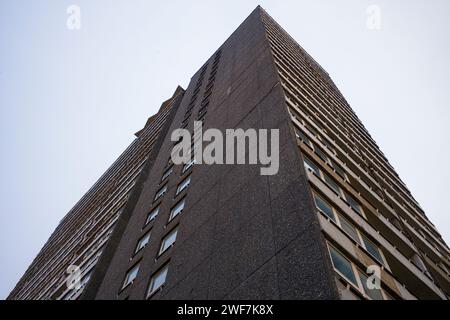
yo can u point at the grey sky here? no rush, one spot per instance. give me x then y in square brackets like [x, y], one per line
[70, 101]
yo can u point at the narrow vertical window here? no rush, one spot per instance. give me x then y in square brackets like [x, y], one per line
[152, 215]
[353, 203]
[349, 229]
[177, 209]
[142, 243]
[158, 280]
[183, 185]
[324, 207]
[309, 165]
[131, 275]
[343, 265]
[160, 192]
[168, 240]
[167, 173]
[374, 294]
[372, 248]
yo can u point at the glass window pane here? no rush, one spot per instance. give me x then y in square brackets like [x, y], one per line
[374, 293]
[142, 242]
[342, 265]
[131, 275]
[184, 184]
[188, 165]
[312, 130]
[166, 173]
[302, 136]
[161, 192]
[321, 154]
[372, 248]
[168, 241]
[328, 145]
[353, 203]
[311, 166]
[349, 229]
[152, 215]
[339, 170]
[158, 280]
[323, 206]
[332, 184]
[177, 209]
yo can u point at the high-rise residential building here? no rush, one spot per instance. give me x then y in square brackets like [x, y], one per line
[333, 220]
[81, 237]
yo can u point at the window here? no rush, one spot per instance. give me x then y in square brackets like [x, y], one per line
[160, 192]
[353, 203]
[131, 275]
[168, 240]
[328, 145]
[349, 229]
[339, 170]
[188, 165]
[323, 206]
[321, 154]
[142, 242]
[312, 130]
[332, 184]
[374, 294]
[372, 249]
[177, 209]
[183, 185]
[342, 265]
[311, 166]
[152, 215]
[302, 137]
[167, 173]
[158, 280]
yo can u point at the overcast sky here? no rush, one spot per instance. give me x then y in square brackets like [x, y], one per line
[70, 100]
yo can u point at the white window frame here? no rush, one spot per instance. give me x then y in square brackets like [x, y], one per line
[152, 215]
[183, 184]
[151, 289]
[172, 214]
[164, 247]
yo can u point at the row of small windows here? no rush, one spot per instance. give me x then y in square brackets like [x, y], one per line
[357, 123]
[195, 93]
[337, 168]
[209, 88]
[313, 131]
[330, 182]
[163, 190]
[302, 136]
[345, 225]
[176, 210]
[327, 144]
[157, 280]
[311, 166]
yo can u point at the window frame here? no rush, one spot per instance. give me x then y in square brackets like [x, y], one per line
[167, 172]
[138, 247]
[156, 208]
[163, 270]
[171, 215]
[333, 210]
[159, 194]
[352, 267]
[162, 247]
[179, 189]
[126, 282]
